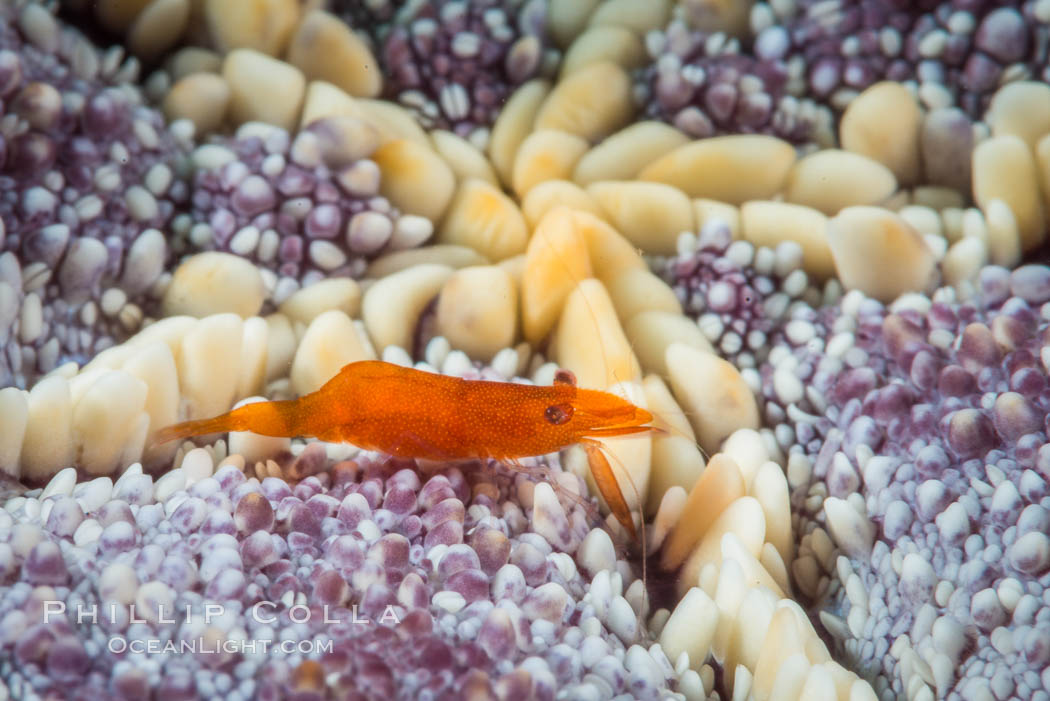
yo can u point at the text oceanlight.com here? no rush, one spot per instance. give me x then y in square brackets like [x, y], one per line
[201, 646]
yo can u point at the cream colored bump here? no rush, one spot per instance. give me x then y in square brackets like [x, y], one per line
[879, 253]
[364, 339]
[325, 48]
[712, 16]
[606, 43]
[719, 485]
[816, 650]
[1042, 162]
[733, 549]
[266, 25]
[676, 462]
[309, 302]
[390, 121]
[338, 140]
[82, 381]
[691, 628]
[774, 564]
[515, 267]
[326, 100]
[952, 219]
[549, 195]
[744, 518]
[114, 356]
[262, 88]
[883, 123]
[203, 98]
[637, 291]
[640, 18]
[770, 223]
[391, 306]
[485, 219]
[1021, 108]
[330, 342]
[513, 124]
[1004, 168]
[728, 591]
[47, 445]
[667, 414]
[545, 154]
[731, 169]
[964, 260]
[208, 362]
[591, 102]
[214, 283]
[748, 631]
[860, 690]
[748, 451]
[566, 20]
[170, 331]
[158, 28]
[558, 256]
[923, 219]
[707, 210]
[449, 255]
[14, 415]
[251, 377]
[555, 260]
[1004, 239]
[938, 197]
[415, 179]
[780, 666]
[845, 680]
[477, 311]
[590, 341]
[831, 179]
[649, 215]
[711, 390]
[192, 59]
[118, 16]
[651, 332]
[463, 157]
[109, 426]
[280, 346]
[154, 365]
[609, 252]
[667, 514]
[624, 154]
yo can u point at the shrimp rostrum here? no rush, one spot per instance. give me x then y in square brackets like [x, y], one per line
[412, 413]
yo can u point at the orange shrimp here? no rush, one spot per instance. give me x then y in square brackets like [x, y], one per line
[416, 414]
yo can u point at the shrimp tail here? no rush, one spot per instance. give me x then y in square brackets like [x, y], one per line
[282, 418]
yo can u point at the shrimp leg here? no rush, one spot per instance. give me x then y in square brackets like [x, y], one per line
[544, 473]
[607, 484]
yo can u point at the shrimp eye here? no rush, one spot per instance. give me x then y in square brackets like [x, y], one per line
[564, 377]
[558, 414]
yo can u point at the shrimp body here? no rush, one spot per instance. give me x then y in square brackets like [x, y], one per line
[416, 414]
